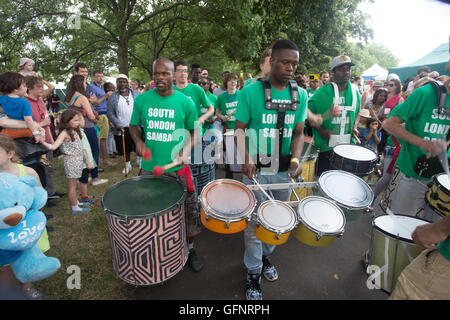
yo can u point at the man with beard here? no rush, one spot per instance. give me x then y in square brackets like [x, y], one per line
[339, 104]
[162, 113]
[119, 109]
[280, 142]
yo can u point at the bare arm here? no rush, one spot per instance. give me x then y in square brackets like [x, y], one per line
[63, 135]
[12, 124]
[393, 125]
[297, 142]
[84, 103]
[248, 167]
[207, 114]
[428, 235]
[49, 90]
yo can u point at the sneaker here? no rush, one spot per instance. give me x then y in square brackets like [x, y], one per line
[83, 210]
[98, 181]
[88, 199]
[129, 167]
[194, 261]
[83, 204]
[268, 270]
[253, 287]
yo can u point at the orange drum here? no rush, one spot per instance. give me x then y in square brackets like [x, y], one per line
[227, 206]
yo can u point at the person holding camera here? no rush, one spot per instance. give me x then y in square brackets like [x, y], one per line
[314, 84]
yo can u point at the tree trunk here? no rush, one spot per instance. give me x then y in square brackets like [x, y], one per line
[122, 55]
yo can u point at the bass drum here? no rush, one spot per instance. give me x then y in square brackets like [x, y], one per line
[391, 247]
[146, 226]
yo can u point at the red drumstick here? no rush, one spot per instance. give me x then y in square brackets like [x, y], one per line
[158, 170]
[147, 154]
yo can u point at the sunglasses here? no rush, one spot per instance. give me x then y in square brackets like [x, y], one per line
[203, 83]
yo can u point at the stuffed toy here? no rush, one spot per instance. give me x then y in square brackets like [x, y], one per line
[21, 226]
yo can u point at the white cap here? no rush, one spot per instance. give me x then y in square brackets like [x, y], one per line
[340, 60]
[365, 113]
[122, 76]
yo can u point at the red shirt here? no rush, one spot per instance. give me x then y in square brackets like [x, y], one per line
[39, 114]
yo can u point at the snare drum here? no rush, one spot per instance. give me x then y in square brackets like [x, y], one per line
[354, 159]
[308, 162]
[438, 197]
[275, 221]
[227, 206]
[320, 221]
[351, 193]
[146, 226]
[391, 246]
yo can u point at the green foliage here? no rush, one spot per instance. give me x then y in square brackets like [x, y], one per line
[127, 36]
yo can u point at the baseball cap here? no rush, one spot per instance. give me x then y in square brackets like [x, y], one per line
[341, 60]
[122, 76]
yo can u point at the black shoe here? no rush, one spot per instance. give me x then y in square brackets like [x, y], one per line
[50, 229]
[194, 261]
[100, 170]
[48, 216]
[56, 195]
[253, 287]
[50, 204]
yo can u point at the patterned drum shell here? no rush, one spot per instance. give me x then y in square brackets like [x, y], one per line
[148, 245]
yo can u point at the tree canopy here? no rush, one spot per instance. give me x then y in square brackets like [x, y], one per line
[126, 36]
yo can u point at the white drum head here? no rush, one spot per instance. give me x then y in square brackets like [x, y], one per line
[346, 189]
[355, 152]
[321, 215]
[394, 225]
[444, 180]
[277, 216]
[227, 199]
[229, 133]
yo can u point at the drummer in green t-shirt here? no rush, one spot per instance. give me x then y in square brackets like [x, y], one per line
[169, 119]
[424, 134]
[339, 104]
[260, 125]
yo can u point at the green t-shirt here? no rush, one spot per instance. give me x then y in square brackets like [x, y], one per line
[310, 92]
[421, 117]
[249, 81]
[262, 123]
[322, 103]
[227, 104]
[161, 117]
[198, 96]
[444, 248]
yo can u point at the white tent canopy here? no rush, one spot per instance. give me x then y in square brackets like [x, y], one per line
[376, 72]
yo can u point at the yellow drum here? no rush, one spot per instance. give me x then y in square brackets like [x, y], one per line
[227, 206]
[308, 160]
[320, 221]
[275, 221]
[438, 197]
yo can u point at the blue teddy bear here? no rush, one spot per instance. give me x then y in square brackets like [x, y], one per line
[21, 226]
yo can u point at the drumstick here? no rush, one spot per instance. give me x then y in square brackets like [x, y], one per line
[158, 171]
[264, 191]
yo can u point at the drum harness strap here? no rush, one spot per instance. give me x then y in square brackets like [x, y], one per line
[284, 161]
[342, 138]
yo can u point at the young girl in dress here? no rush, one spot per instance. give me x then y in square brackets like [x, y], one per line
[75, 158]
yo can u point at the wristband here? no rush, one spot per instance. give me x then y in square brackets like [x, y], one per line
[295, 160]
[50, 146]
[35, 133]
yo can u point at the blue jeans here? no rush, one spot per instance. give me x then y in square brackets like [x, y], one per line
[254, 248]
[91, 135]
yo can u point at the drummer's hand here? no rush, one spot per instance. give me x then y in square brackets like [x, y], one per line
[434, 147]
[428, 235]
[140, 148]
[295, 170]
[249, 170]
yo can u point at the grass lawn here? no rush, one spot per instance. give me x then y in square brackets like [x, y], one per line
[83, 240]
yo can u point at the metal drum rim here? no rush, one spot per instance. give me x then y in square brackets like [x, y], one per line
[268, 227]
[310, 228]
[358, 146]
[393, 236]
[346, 206]
[210, 211]
[147, 215]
